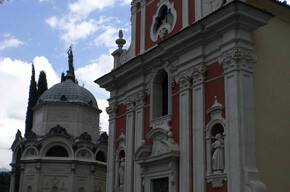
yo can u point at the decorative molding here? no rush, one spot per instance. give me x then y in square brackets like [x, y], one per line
[112, 111]
[237, 59]
[167, 25]
[30, 135]
[162, 122]
[122, 140]
[85, 137]
[58, 130]
[216, 180]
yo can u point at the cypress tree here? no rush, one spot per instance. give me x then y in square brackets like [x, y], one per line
[31, 102]
[42, 84]
[62, 77]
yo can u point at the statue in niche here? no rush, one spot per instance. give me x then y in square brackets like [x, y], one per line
[218, 155]
[121, 171]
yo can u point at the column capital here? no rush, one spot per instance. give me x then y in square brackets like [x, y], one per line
[237, 59]
[184, 82]
[140, 99]
[112, 111]
[198, 74]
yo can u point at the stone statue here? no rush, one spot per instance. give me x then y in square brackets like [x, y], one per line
[121, 171]
[218, 154]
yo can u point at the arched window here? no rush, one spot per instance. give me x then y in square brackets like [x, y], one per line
[100, 156]
[160, 94]
[57, 151]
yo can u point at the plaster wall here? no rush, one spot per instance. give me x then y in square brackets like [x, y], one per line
[271, 96]
[76, 119]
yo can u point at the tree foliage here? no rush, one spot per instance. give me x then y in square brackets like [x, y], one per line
[4, 181]
[42, 84]
[31, 102]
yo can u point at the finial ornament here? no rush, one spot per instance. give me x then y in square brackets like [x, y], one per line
[120, 42]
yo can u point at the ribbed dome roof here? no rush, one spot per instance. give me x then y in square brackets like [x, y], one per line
[68, 91]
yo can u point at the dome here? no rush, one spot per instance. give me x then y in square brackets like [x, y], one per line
[68, 91]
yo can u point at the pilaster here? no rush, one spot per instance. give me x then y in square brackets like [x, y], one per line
[112, 112]
[241, 155]
[185, 165]
[133, 29]
[139, 132]
[143, 26]
[185, 15]
[129, 168]
[198, 135]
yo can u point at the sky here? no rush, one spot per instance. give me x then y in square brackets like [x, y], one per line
[40, 32]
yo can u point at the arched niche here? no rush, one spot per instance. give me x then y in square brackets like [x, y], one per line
[56, 151]
[216, 146]
[61, 142]
[120, 162]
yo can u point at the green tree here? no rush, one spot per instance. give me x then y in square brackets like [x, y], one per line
[4, 181]
[42, 84]
[31, 102]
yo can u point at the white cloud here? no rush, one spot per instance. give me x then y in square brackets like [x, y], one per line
[9, 42]
[76, 24]
[82, 8]
[87, 74]
[14, 79]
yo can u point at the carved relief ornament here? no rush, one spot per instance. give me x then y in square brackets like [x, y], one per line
[112, 111]
[237, 59]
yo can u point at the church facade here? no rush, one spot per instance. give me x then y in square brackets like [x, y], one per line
[190, 99]
[64, 151]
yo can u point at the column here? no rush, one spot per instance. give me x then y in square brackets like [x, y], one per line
[241, 155]
[129, 156]
[185, 165]
[112, 112]
[139, 132]
[198, 135]
[12, 181]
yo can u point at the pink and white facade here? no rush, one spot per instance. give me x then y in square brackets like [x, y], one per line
[181, 109]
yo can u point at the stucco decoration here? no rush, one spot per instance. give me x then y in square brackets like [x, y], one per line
[112, 111]
[215, 146]
[58, 130]
[162, 122]
[237, 59]
[164, 20]
[162, 141]
[159, 161]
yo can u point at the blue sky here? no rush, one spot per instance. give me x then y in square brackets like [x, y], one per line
[41, 31]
